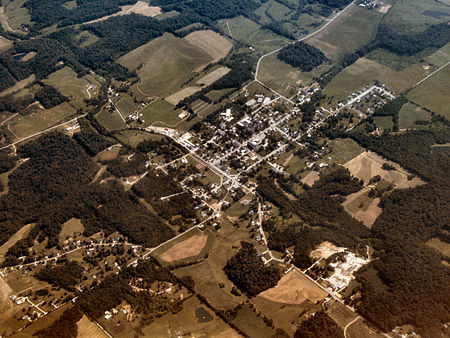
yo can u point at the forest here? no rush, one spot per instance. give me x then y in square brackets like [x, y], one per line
[65, 275]
[319, 325]
[247, 271]
[392, 108]
[302, 56]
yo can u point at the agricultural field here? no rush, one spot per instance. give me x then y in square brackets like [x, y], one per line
[69, 229]
[139, 7]
[362, 207]
[161, 112]
[357, 27]
[213, 76]
[110, 120]
[410, 114]
[275, 9]
[15, 15]
[214, 44]
[433, 92]
[439, 57]
[38, 119]
[20, 85]
[253, 325]
[342, 150]
[87, 329]
[5, 44]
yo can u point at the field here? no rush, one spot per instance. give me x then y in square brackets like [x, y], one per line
[251, 33]
[283, 77]
[433, 93]
[110, 120]
[253, 325]
[5, 302]
[16, 15]
[362, 207]
[356, 27]
[182, 94]
[324, 250]
[342, 150]
[69, 228]
[68, 84]
[19, 85]
[87, 329]
[311, 178]
[442, 247]
[440, 57]
[365, 71]
[162, 112]
[411, 113]
[383, 122]
[189, 247]
[39, 119]
[359, 329]
[275, 9]
[294, 288]
[139, 7]
[5, 44]
[214, 44]
[369, 164]
[171, 325]
[167, 62]
[213, 76]
[13, 240]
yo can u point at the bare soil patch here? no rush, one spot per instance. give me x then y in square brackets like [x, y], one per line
[140, 7]
[229, 333]
[87, 329]
[288, 159]
[325, 250]
[384, 9]
[216, 45]
[311, 178]
[212, 77]
[188, 248]
[5, 292]
[182, 94]
[28, 56]
[294, 288]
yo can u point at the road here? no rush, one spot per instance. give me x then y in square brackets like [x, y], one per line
[429, 75]
[301, 39]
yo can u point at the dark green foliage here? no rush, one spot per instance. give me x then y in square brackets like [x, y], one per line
[248, 272]
[338, 180]
[64, 326]
[217, 9]
[166, 147]
[319, 325]
[126, 167]
[66, 275]
[12, 104]
[49, 97]
[392, 108]
[7, 161]
[302, 55]
[91, 141]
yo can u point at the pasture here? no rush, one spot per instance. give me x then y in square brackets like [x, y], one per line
[311, 178]
[110, 120]
[294, 288]
[410, 114]
[214, 44]
[16, 15]
[161, 112]
[19, 85]
[69, 229]
[253, 325]
[182, 94]
[274, 9]
[356, 27]
[213, 76]
[342, 150]
[433, 93]
[87, 329]
[442, 247]
[5, 44]
[164, 64]
[139, 7]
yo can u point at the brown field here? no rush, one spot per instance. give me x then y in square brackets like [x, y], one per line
[140, 7]
[311, 178]
[87, 329]
[341, 314]
[230, 333]
[294, 288]
[216, 45]
[384, 9]
[369, 216]
[436, 243]
[28, 56]
[360, 330]
[182, 94]
[324, 250]
[4, 20]
[369, 164]
[14, 239]
[188, 248]
[213, 76]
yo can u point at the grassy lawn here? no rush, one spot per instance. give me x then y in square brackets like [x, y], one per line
[352, 30]
[384, 122]
[343, 150]
[110, 120]
[164, 64]
[162, 112]
[433, 93]
[67, 82]
[409, 114]
[295, 165]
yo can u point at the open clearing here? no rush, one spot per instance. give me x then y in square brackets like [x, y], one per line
[369, 216]
[5, 44]
[213, 76]
[87, 329]
[5, 292]
[182, 94]
[369, 164]
[216, 45]
[433, 93]
[410, 114]
[19, 85]
[69, 84]
[325, 250]
[188, 248]
[15, 15]
[164, 64]
[356, 27]
[360, 330]
[68, 229]
[311, 178]
[294, 288]
[161, 111]
[362, 207]
[436, 243]
[139, 7]
[14, 239]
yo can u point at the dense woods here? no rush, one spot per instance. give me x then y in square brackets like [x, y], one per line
[248, 272]
[319, 325]
[301, 55]
[65, 275]
[92, 142]
[392, 108]
[49, 97]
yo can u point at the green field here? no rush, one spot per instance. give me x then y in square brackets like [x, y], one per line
[161, 112]
[251, 324]
[384, 122]
[5, 44]
[275, 9]
[164, 64]
[440, 57]
[110, 120]
[284, 78]
[433, 93]
[411, 113]
[86, 38]
[407, 17]
[17, 15]
[343, 150]
[350, 31]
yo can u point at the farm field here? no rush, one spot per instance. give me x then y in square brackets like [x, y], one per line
[19, 86]
[343, 150]
[182, 94]
[440, 57]
[357, 27]
[283, 77]
[213, 76]
[294, 288]
[365, 71]
[275, 9]
[433, 93]
[110, 120]
[214, 44]
[161, 111]
[410, 114]
[16, 15]
[87, 329]
[362, 207]
[251, 324]
[139, 7]
[5, 44]
[38, 119]
[68, 229]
